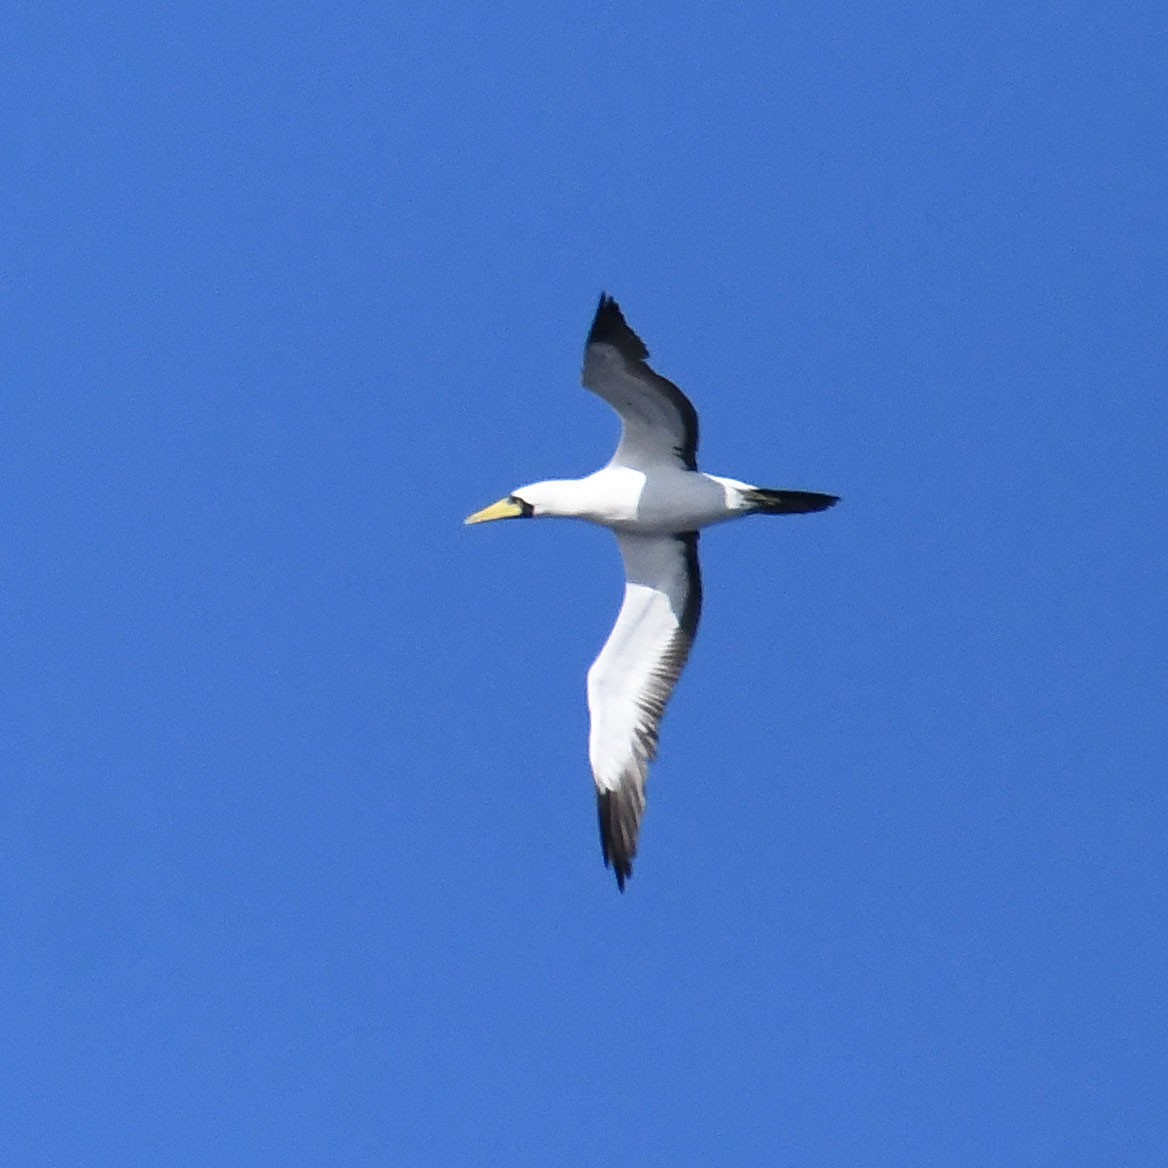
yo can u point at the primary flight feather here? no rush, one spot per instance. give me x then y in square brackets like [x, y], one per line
[655, 500]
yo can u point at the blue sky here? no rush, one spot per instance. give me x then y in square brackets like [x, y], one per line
[298, 841]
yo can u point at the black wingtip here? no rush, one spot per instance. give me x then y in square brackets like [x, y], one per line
[609, 327]
[618, 855]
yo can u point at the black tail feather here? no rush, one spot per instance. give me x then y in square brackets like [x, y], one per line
[766, 502]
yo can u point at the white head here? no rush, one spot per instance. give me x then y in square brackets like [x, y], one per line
[558, 498]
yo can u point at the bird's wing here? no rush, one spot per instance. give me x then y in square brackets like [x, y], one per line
[659, 426]
[631, 680]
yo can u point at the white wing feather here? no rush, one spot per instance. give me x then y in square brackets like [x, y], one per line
[632, 679]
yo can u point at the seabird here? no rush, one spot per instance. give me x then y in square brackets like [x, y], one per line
[655, 500]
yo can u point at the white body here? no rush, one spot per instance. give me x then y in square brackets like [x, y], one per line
[669, 500]
[655, 500]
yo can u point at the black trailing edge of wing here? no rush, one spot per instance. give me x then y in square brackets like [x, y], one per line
[688, 619]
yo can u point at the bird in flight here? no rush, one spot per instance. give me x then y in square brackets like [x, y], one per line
[655, 500]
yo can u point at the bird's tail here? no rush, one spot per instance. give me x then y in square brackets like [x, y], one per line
[765, 502]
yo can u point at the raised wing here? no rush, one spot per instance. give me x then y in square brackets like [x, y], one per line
[631, 680]
[659, 426]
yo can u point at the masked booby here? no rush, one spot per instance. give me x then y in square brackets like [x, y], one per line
[655, 500]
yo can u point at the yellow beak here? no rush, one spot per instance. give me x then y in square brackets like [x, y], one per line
[503, 509]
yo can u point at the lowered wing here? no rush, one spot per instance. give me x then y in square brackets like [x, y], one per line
[632, 679]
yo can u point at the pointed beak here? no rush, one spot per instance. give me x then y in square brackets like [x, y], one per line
[503, 509]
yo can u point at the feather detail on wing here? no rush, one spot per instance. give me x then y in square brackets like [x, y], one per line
[659, 425]
[632, 679]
